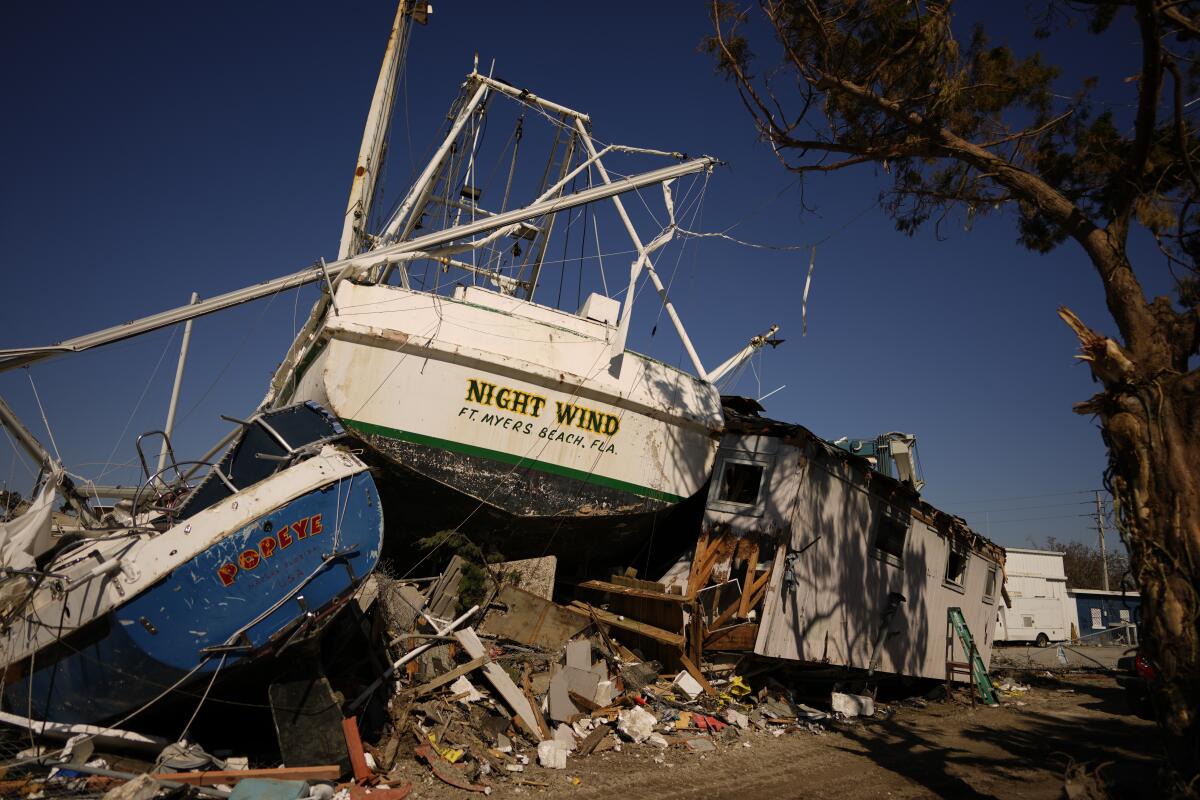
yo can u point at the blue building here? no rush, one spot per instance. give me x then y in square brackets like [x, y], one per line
[1097, 610]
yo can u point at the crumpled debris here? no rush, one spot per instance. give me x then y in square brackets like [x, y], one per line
[636, 724]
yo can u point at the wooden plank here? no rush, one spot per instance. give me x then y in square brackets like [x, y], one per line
[591, 740]
[695, 672]
[330, 772]
[638, 583]
[527, 689]
[633, 591]
[748, 584]
[583, 702]
[725, 615]
[452, 675]
[657, 634]
[735, 637]
[532, 620]
[759, 590]
[358, 759]
[698, 558]
[501, 682]
[704, 563]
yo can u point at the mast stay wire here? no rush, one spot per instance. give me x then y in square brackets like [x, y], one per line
[108, 464]
[42, 411]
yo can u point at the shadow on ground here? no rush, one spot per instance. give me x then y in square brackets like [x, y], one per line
[982, 759]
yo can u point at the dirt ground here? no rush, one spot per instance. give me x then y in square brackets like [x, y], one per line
[943, 749]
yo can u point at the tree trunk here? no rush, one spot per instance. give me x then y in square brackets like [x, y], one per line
[1150, 420]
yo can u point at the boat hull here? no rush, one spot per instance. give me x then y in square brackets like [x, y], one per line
[519, 410]
[304, 557]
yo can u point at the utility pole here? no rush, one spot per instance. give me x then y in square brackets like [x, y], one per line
[1100, 531]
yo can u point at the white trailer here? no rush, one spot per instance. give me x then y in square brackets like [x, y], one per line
[1040, 610]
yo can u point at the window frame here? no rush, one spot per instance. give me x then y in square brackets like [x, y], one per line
[993, 573]
[890, 513]
[764, 461]
[960, 585]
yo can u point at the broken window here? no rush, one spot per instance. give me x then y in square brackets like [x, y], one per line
[956, 567]
[989, 585]
[890, 536]
[740, 483]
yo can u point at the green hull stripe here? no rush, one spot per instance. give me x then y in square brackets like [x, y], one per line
[509, 458]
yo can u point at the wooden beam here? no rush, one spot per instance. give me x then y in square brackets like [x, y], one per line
[735, 637]
[747, 585]
[703, 545]
[759, 590]
[700, 578]
[582, 702]
[725, 615]
[695, 672]
[630, 591]
[358, 758]
[452, 675]
[322, 773]
[527, 689]
[657, 634]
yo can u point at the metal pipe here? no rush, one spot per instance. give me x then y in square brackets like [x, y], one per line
[528, 97]
[207, 791]
[643, 260]
[170, 426]
[421, 185]
[13, 358]
[409, 656]
[24, 437]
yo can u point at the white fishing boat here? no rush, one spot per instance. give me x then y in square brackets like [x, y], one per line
[488, 410]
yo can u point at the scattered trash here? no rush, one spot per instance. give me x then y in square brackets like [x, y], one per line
[552, 754]
[636, 724]
[852, 705]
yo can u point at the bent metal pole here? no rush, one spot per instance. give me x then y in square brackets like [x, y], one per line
[13, 358]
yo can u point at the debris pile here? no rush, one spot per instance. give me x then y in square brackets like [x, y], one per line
[512, 690]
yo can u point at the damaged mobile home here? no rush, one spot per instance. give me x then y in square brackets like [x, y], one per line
[810, 553]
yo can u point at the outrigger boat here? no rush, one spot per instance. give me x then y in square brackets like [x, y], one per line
[184, 578]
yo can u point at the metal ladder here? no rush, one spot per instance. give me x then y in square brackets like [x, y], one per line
[979, 673]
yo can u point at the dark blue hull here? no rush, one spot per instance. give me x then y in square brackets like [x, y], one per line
[228, 607]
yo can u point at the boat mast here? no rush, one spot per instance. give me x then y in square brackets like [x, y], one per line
[170, 426]
[379, 119]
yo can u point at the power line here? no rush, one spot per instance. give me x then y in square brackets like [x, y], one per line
[1038, 519]
[1030, 508]
[1027, 497]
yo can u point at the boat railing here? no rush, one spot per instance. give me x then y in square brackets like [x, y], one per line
[169, 500]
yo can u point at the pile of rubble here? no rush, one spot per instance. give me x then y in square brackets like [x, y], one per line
[503, 692]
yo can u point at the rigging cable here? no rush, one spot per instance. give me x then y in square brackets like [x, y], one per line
[42, 411]
[137, 406]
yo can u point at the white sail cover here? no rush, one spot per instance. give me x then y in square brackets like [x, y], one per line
[28, 536]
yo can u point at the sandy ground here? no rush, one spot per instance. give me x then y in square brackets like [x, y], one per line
[944, 749]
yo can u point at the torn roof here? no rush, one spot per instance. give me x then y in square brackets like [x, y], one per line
[742, 416]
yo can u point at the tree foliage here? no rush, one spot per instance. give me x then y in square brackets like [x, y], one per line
[1085, 566]
[969, 126]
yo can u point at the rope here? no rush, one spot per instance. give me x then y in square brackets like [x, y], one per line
[42, 411]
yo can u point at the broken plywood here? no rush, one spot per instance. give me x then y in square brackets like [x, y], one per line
[524, 617]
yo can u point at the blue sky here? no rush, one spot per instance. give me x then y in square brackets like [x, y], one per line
[150, 150]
